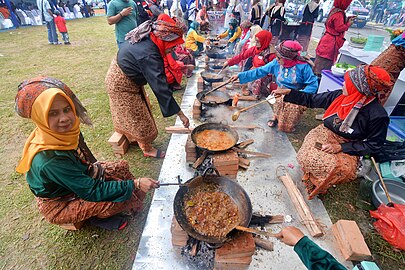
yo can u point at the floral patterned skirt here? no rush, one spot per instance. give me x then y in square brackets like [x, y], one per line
[393, 61]
[288, 114]
[322, 170]
[130, 111]
[71, 209]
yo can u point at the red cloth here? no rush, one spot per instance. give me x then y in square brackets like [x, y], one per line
[172, 69]
[342, 4]
[333, 39]
[342, 105]
[264, 38]
[61, 24]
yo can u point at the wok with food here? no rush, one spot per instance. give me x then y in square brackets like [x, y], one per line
[214, 137]
[210, 206]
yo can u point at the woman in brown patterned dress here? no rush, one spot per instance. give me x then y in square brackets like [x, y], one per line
[138, 62]
[354, 124]
[69, 184]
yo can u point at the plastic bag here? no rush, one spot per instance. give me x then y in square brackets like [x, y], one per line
[390, 224]
[398, 168]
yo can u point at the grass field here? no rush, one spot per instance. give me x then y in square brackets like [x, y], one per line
[29, 242]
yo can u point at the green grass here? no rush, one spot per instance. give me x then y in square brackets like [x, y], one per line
[26, 240]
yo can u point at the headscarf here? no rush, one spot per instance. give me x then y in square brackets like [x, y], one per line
[194, 26]
[264, 37]
[164, 32]
[234, 24]
[30, 89]
[363, 85]
[290, 50]
[42, 137]
[342, 4]
[253, 32]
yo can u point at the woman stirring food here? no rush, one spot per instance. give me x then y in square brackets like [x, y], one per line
[354, 124]
[60, 170]
[138, 62]
[290, 71]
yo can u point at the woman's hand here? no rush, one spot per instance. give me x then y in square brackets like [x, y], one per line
[331, 148]
[184, 119]
[146, 184]
[234, 78]
[281, 91]
[290, 235]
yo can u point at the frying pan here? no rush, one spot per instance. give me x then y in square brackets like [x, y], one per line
[214, 126]
[213, 99]
[212, 76]
[216, 53]
[216, 66]
[227, 186]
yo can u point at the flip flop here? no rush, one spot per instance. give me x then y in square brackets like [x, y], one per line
[272, 123]
[114, 223]
[159, 154]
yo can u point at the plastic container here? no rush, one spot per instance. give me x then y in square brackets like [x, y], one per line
[329, 82]
[374, 43]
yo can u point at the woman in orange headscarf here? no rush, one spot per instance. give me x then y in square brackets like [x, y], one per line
[261, 54]
[354, 124]
[69, 184]
[336, 26]
[142, 60]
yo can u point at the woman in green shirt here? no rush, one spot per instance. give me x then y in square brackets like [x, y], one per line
[311, 255]
[70, 188]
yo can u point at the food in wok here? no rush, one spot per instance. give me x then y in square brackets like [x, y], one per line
[214, 140]
[211, 212]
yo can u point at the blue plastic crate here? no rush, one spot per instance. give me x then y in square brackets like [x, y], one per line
[397, 128]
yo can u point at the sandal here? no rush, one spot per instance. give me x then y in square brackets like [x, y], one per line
[114, 223]
[245, 92]
[272, 123]
[159, 154]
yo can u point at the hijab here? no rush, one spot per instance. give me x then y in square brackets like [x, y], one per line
[194, 26]
[264, 37]
[290, 50]
[363, 84]
[234, 24]
[342, 4]
[42, 137]
[253, 32]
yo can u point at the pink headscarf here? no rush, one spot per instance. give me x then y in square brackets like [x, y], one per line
[290, 50]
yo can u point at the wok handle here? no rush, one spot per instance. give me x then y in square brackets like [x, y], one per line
[216, 88]
[212, 169]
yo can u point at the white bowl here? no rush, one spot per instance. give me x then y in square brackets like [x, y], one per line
[338, 72]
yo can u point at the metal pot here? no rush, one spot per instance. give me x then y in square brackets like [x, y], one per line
[212, 76]
[215, 126]
[227, 186]
[213, 99]
[396, 190]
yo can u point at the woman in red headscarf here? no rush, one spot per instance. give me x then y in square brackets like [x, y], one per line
[354, 124]
[262, 53]
[141, 61]
[336, 26]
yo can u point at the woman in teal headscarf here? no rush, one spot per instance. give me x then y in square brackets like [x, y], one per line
[233, 33]
[194, 42]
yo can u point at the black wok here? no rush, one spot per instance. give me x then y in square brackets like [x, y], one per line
[216, 66]
[212, 76]
[215, 126]
[213, 99]
[227, 186]
[216, 53]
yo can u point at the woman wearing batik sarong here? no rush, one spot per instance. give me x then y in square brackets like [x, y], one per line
[290, 71]
[261, 54]
[141, 61]
[354, 124]
[393, 61]
[69, 184]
